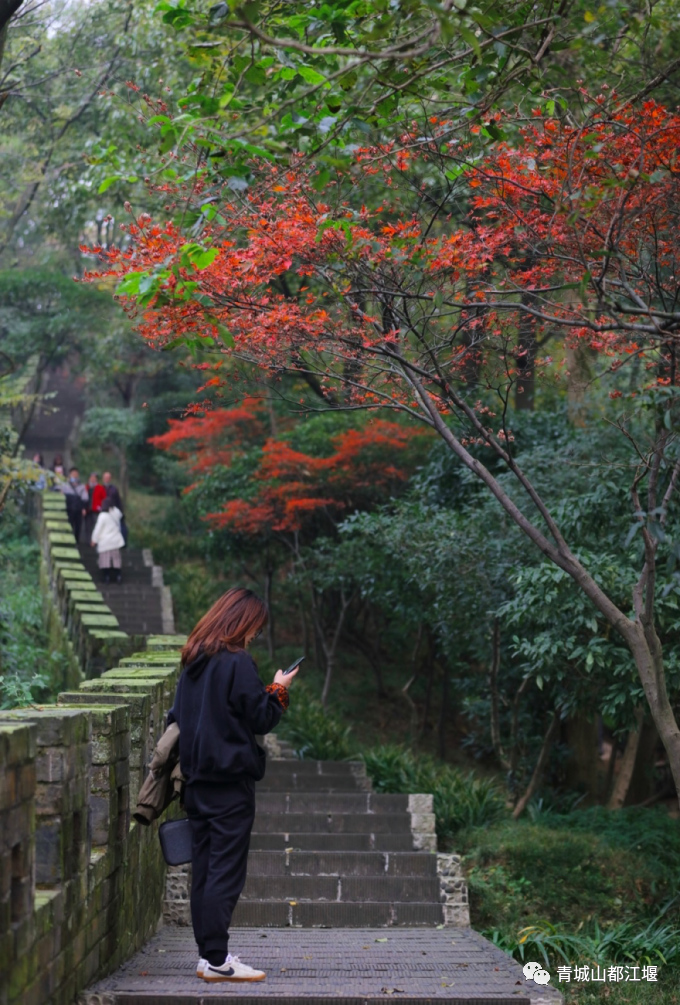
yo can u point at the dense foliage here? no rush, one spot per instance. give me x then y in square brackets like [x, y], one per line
[377, 313]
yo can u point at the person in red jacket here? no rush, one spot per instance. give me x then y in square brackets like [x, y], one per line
[96, 496]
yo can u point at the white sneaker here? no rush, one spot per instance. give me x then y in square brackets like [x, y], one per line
[200, 966]
[231, 970]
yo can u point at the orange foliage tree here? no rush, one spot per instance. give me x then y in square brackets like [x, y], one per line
[292, 496]
[571, 239]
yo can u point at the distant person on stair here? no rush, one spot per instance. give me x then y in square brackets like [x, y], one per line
[220, 705]
[76, 500]
[109, 540]
[96, 495]
[112, 491]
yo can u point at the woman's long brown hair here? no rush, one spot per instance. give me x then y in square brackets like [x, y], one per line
[230, 619]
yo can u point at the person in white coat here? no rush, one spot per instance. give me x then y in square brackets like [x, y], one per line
[108, 538]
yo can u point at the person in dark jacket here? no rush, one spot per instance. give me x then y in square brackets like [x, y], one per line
[220, 705]
[112, 491]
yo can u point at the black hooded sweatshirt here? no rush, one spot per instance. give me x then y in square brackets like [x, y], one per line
[220, 704]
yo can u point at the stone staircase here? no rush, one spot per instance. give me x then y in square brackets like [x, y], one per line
[327, 852]
[142, 603]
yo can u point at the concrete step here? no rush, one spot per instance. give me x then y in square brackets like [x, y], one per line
[316, 841]
[422, 965]
[306, 914]
[321, 768]
[335, 802]
[332, 823]
[344, 889]
[342, 863]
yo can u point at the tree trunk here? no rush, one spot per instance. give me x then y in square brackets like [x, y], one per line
[610, 769]
[623, 779]
[443, 712]
[641, 639]
[540, 766]
[493, 688]
[330, 650]
[268, 580]
[649, 663]
[121, 453]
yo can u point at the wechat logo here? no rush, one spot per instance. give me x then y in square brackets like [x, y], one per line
[534, 972]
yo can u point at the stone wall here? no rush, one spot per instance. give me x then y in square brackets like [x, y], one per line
[81, 887]
[77, 618]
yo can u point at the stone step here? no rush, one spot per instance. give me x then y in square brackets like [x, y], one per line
[270, 801]
[307, 914]
[311, 784]
[422, 965]
[332, 823]
[316, 841]
[344, 889]
[321, 768]
[347, 863]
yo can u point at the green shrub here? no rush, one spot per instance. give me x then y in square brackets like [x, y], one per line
[521, 873]
[314, 733]
[460, 800]
[29, 669]
[657, 943]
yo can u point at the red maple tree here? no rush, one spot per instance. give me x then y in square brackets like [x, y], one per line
[571, 240]
[289, 486]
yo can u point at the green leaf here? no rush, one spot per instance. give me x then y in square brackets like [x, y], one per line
[471, 39]
[310, 75]
[107, 183]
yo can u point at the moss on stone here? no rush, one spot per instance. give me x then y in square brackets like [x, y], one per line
[99, 620]
[76, 574]
[158, 642]
[151, 659]
[71, 553]
[57, 537]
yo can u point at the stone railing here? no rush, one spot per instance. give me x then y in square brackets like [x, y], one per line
[77, 618]
[82, 888]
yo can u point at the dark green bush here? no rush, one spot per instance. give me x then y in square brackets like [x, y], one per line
[313, 732]
[461, 800]
[28, 667]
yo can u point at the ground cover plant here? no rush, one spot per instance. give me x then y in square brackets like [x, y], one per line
[30, 666]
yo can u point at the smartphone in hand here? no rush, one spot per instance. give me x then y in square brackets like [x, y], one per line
[292, 667]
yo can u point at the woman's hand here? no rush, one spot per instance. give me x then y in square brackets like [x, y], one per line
[285, 679]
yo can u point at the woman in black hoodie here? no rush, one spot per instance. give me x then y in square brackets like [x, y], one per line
[220, 705]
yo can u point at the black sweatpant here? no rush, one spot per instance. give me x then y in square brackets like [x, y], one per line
[75, 518]
[221, 816]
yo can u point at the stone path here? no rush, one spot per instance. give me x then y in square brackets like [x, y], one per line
[327, 851]
[350, 967]
[142, 603]
[344, 901]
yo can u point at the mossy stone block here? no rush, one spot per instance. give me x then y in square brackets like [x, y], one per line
[80, 575]
[71, 553]
[54, 726]
[152, 688]
[139, 673]
[105, 635]
[18, 741]
[99, 620]
[150, 660]
[82, 586]
[57, 537]
[83, 594]
[156, 642]
[96, 607]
